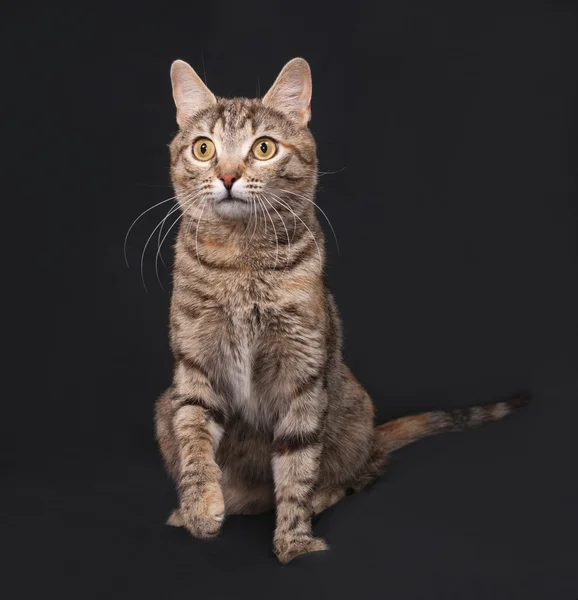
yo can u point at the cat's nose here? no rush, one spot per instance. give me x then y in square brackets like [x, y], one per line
[229, 179]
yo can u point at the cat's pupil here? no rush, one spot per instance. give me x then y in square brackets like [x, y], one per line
[203, 148]
[264, 147]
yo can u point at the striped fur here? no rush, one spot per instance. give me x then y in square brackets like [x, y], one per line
[262, 413]
[401, 432]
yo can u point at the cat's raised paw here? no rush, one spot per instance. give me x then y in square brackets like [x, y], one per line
[286, 549]
[203, 514]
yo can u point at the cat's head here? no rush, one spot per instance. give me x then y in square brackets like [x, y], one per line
[232, 158]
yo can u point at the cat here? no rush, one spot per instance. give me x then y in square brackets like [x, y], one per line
[262, 413]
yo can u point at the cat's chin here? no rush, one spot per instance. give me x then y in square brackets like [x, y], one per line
[232, 208]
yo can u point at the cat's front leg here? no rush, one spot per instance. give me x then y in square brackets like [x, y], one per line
[296, 455]
[198, 425]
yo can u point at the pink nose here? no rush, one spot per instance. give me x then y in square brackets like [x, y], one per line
[229, 179]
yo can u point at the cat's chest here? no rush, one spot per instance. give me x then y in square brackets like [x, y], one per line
[240, 349]
[251, 352]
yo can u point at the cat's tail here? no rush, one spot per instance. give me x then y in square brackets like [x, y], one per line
[401, 432]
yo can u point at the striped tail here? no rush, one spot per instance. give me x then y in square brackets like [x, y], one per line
[401, 432]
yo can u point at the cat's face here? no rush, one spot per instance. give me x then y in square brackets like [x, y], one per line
[237, 159]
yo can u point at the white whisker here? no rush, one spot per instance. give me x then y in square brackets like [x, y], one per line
[134, 222]
[256, 220]
[320, 209]
[197, 231]
[274, 229]
[184, 211]
[250, 217]
[277, 199]
[144, 252]
[323, 173]
[282, 221]
[159, 243]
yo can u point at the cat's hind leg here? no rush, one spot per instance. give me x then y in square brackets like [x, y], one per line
[326, 497]
[175, 519]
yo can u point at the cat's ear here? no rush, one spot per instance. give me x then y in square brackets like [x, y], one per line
[291, 92]
[190, 93]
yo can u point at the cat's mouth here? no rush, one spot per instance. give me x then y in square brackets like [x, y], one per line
[232, 199]
[232, 207]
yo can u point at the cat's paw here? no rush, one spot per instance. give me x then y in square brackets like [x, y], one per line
[287, 548]
[203, 510]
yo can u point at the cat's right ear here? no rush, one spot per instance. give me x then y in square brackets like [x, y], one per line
[190, 93]
[291, 92]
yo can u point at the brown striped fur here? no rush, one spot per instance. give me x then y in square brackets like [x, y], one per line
[262, 413]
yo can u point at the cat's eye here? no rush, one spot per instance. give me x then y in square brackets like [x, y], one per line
[264, 148]
[203, 149]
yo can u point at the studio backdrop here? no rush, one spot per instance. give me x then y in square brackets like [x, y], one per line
[446, 139]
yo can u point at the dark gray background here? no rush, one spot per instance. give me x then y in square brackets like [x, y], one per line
[452, 129]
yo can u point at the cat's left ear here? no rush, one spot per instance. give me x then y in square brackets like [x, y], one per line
[190, 93]
[291, 92]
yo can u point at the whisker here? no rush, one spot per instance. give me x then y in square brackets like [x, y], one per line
[323, 173]
[256, 221]
[154, 186]
[262, 212]
[145, 249]
[282, 221]
[249, 221]
[134, 222]
[171, 211]
[294, 218]
[187, 233]
[277, 199]
[322, 212]
[189, 228]
[184, 211]
[274, 229]
[197, 231]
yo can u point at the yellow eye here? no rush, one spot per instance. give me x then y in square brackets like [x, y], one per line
[264, 148]
[203, 149]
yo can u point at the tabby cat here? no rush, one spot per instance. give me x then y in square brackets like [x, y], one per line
[262, 413]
